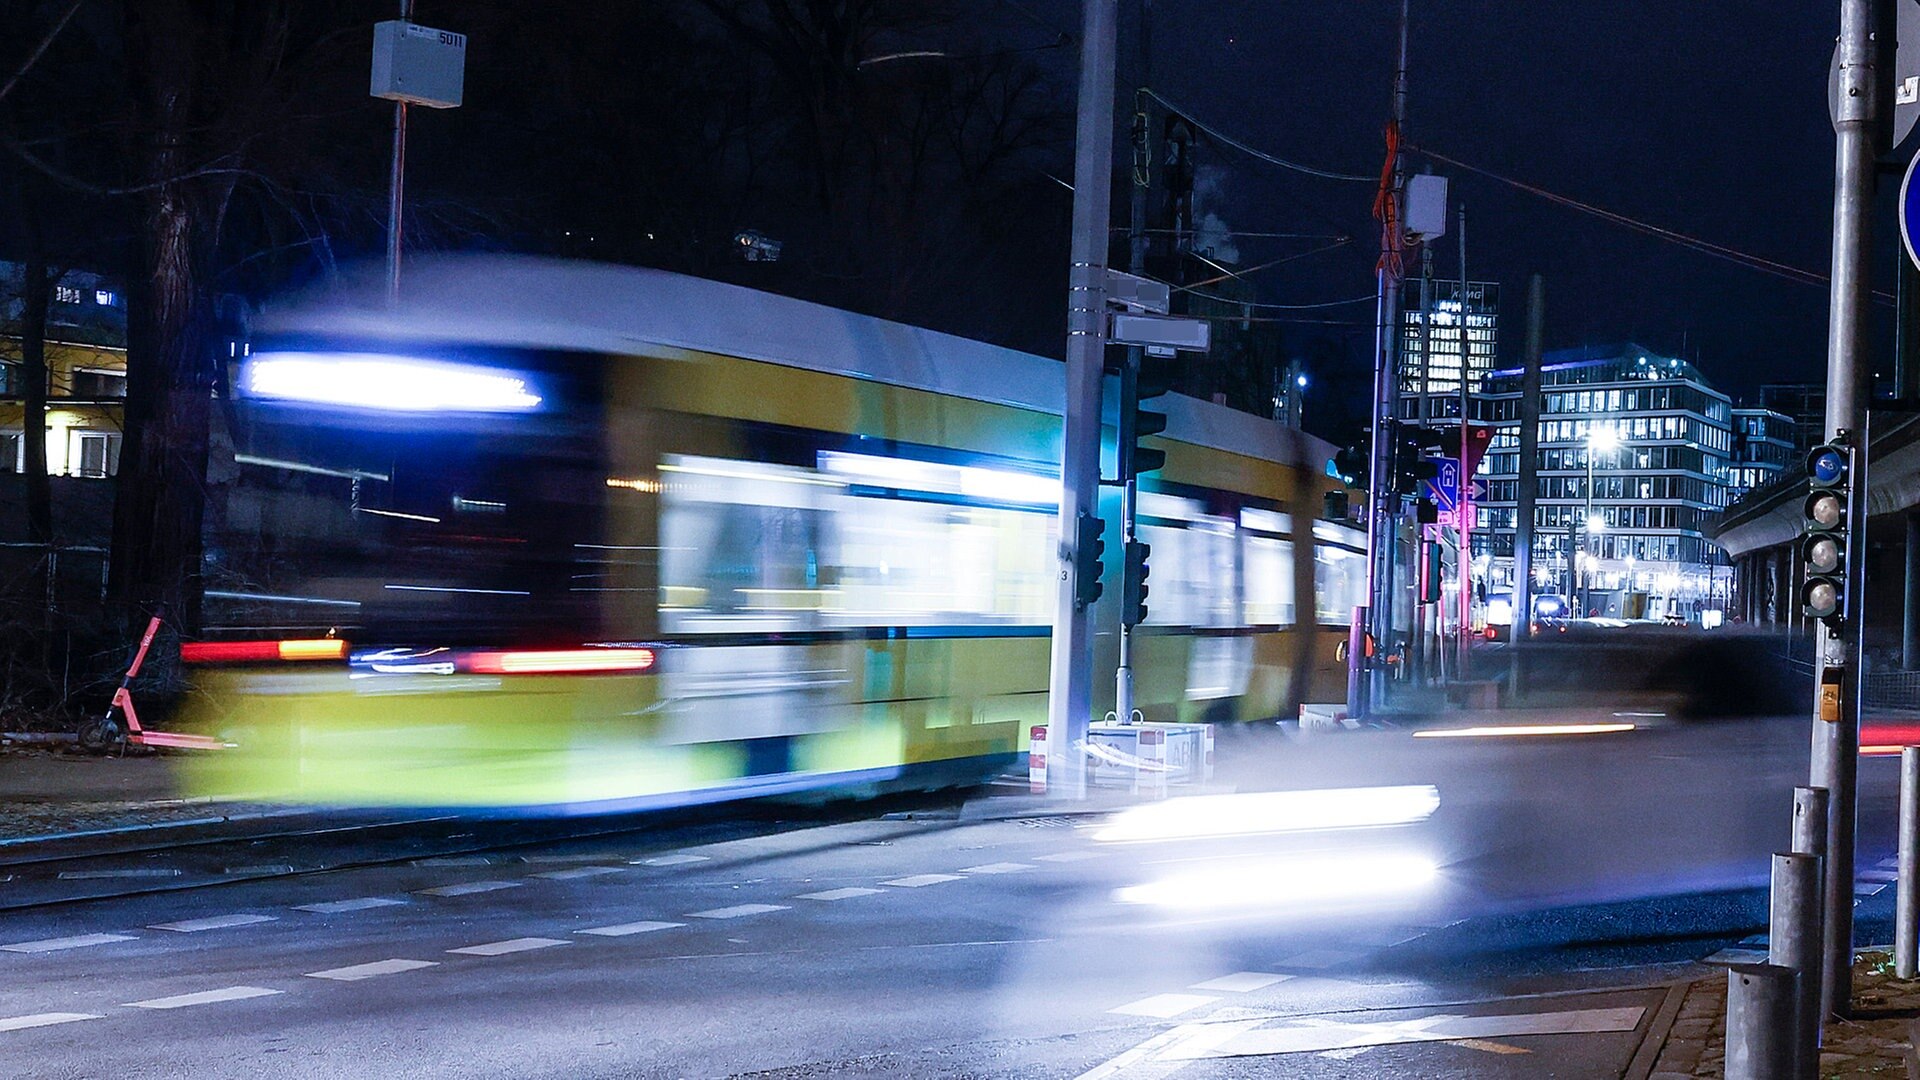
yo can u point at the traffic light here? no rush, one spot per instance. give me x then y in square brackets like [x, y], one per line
[1089, 545]
[1824, 546]
[1152, 379]
[1350, 465]
[1133, 588]
[1410, 461]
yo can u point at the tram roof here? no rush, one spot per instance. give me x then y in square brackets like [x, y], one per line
[530, 302]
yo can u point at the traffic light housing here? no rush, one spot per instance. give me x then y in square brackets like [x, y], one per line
[1151, 379]
[1133, 588]
[1823, 546]
[1410, 462]
[1089, 547]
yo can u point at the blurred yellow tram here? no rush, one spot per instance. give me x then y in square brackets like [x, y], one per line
[594, 537]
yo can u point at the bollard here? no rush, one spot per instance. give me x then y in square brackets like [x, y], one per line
[1810, 820]
[1037, 760]
[1793, 942]
[1906, 910]
[1759, 1022]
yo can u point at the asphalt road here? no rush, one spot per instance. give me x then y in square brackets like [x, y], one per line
[962, 945]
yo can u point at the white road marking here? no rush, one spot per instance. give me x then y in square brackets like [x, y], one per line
[915, 881]
[1325, 1036]
[333, 907]
[454, 860]
[579, 872]
[623, 929]
[670, 860]
[997, 868]
[736, 911]
[1070, 856]
[839, 894]
[15, 1023]
[1241, 982]
[1869, 888]
[1215, 1028]
[565, 858]
[212, 922]
[79, 941]
[1164, 1006]
[204, 997]
[467, 888]
[85, 875]
[368, 971]
[1887, 876]
[270, 868]
[1320, 959]
[513, 945]
[1737, 956]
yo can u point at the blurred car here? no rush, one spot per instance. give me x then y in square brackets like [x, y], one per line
[1550, 611]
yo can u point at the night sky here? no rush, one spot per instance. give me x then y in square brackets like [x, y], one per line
[1705, 117]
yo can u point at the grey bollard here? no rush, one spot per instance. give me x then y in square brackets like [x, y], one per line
[1793, 942]
[1810, 820]
[1760, 1035]
[1906, 909]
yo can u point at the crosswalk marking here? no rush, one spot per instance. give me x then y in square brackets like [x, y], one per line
[1315, 1035]
[915, 881]
[1241, 982]
[367, 971]
[204, 997]
[624, 929]
[78, 941]
[736, 911]
[17, 1023]
[212, 922]
[333, 907]
[997, 868]
[671, 860]
[467, 888]
[1163, 1006]
[513, 945]
[847, 893]
[577, 872]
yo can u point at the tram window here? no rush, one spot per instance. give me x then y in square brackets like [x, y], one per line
[1269, 581]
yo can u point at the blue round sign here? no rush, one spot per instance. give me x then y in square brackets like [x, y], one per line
[1910, 212]
[1827, 466]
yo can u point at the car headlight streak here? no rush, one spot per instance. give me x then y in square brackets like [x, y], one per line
[388, 383]
[1289, 885]
[1263, 812]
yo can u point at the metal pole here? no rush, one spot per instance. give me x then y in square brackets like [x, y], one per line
[1529, 491]
[1810, 820]
[1793, 942]
[1906, 911]
[1070, 681]
[395, 185]
[1383, 511]
[1836, 737]
[1423, 611]
[1136, 262]
[1464, 509]
[1586, 532]
[1760, 1031]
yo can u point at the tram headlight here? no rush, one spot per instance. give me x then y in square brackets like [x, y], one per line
[388, 383]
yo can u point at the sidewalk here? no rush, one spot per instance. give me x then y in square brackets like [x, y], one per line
[46, 794]
[1874, 1044]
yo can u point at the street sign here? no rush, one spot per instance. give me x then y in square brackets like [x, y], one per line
[1444, 489]
[1906, 72]
[1135, 293]
[1187, 335]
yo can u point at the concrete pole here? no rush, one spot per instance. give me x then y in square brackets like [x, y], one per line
[1836, 739]
[1070, 682]
[1529, 491]
[1383, 513]
[1906, 910]
[1793, 942]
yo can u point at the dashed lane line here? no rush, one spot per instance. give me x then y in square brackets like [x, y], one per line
[1164, 1006]
[89, 875]
[357, 972]
[78, 941]
[1241, 982]
[839, 894]
[579, 872]
[213, 922]
[17, 1023]
[468, 888]
[736, 911]
[915, 881]
[1070, 856]
[512, 945]
[363, 903]
[670, 860]
[625, 929]
[204, 997]
[997, 868]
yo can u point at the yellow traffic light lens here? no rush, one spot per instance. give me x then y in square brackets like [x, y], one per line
[1823, 556]
[1825, 510]
[1822, 599]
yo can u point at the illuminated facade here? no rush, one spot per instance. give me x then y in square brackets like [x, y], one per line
[1431, 348]
[1636, 455]
[1763, 447]
[86, 353]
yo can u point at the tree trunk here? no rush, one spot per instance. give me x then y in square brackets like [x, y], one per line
[160, 497]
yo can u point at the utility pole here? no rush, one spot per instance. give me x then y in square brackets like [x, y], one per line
[1464, 508]
[1383, 513]
[1529, 472]
[1836, 726]
[1070, 681]
[396, 183]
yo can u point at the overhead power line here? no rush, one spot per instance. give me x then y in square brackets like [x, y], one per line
[1357, 178]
